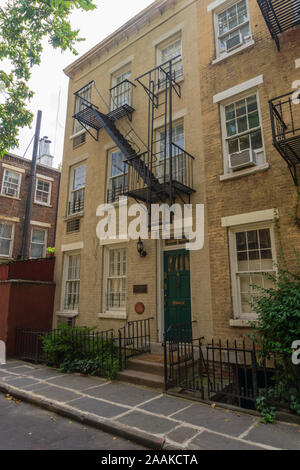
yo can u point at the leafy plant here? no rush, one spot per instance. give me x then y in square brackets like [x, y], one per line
[267, 412]
[24, 24]
[76, 349]
[50, 250]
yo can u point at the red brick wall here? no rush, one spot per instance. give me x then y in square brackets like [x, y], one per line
[13, 207]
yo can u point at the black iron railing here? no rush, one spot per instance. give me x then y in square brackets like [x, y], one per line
[121, 95]
[231, 372]
[76, 204]
[280, 16]
[107, 347]
[285, 121]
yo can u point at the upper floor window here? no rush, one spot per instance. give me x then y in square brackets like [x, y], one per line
[11, 183]
[252, 252]
[77, 190]
[162, 165]
[117, 182]
[232, 27]
[243, 134]
[6, 238]
[121, 90]
[38, 243]
[42, 192]
[167, 51]
[79, 104]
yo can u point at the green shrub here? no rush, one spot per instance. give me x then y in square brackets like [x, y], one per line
[76, 349]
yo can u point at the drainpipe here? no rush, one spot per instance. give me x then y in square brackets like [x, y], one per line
[31, 187]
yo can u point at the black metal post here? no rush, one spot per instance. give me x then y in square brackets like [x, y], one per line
[31, 187]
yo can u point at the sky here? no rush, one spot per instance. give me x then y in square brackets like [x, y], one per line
[49, 82]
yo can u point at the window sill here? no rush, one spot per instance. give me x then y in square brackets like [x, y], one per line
[67, 314]
[42, 204]
[242, 323]
[11, 197]
[74, 216]
[77, 134]
[113, 315]
[235, 51]
[246, 172]
[163, 89]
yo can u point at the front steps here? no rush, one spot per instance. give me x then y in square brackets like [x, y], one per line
[147, 370]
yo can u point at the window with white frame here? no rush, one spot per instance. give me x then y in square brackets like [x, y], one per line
[79, 104]
[6, 238]
[252, 253]
[115, 279]
[117, 182]
[77, 190]
[42, 192]
[167, 51]
[11, 183]
[243, 131]
[38, 242]
[162, 166]
[72, 282]
[232, 27]
[121, 90]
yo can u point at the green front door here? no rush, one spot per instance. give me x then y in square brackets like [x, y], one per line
[177, 292]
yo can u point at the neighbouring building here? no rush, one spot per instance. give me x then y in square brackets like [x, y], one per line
[204, 72]
[15, 176]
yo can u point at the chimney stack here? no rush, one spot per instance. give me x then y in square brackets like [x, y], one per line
[45, 158]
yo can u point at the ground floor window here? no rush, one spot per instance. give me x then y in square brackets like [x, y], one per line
[38, 243]
[115, 278]
[252, 252]
[72, 282]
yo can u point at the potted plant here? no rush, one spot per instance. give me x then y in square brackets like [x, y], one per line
[50, 251]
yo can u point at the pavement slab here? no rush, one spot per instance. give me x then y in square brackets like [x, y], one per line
[165, 405]
[57, 394]
[76, 382]
[4, 373]
[124, 394]
[210, 441]
[148, 423]
[227, 422]
[283, 436]
[98, 407]
[182, 434]
[44, 373]
[12, 364]
[20, 381]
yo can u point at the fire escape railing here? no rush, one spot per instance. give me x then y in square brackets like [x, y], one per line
[121, 96]
[280, 16]
[285, 121]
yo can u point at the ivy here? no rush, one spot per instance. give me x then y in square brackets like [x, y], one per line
[23, 26]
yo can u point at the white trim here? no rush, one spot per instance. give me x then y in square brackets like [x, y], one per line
[245, 172]
[66, 314]
[235, 51]
[109, 241]
[242, 323]
[113, 315]
[72, 246]
[297, 63]
[82, 131]
[110, 146]
[40, 224]
[44, 177]
[13, 168]
[217, 3]
[176, 116]
[168, 35]
[238, 89]
[78, 159]
[160, 289]
[121, 64]
[9, 219]
[249, 218]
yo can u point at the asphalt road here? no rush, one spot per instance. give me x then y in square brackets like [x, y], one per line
[27, 427]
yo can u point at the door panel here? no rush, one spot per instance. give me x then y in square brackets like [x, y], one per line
[177, 294]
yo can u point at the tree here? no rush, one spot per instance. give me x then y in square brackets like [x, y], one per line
[23, 26]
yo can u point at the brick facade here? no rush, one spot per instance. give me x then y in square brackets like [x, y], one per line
[12, 209]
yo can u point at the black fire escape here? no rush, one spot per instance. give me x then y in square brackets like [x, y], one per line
[162, 171]
[280, 16]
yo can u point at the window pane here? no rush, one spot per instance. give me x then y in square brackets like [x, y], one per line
[230, 112]
[252, 237]
[38, 236]
[256, 140]
[231, 128]
[241, 243]
[36, 251]
[79, 177]
[244, 142]
[253, 120]
[242, 124]
[251, 104]
[5, 230]
[264, 238]
[4, 247]
[233, 145]
[241, 108]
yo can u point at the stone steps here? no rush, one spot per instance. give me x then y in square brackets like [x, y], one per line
[143, 372]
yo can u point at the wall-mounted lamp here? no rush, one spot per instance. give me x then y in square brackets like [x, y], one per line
[140, 248]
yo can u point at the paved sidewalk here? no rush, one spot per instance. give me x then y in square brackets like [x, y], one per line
[146, 416]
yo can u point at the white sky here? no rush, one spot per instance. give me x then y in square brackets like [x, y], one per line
[48, 80]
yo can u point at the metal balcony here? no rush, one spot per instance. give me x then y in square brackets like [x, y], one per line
[280, 16]
[285, 120]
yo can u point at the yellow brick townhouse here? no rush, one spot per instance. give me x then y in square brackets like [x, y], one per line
[190, 102]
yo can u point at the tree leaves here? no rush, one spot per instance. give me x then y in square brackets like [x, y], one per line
[23, 26]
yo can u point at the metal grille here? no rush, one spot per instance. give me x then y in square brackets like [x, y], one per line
[73, 225]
